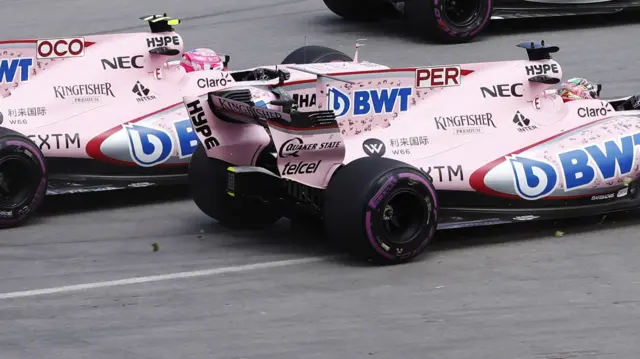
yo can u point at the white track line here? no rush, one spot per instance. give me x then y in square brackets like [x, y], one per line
[157, 278]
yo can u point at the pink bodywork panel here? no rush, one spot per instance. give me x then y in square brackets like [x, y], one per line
[463, 130]
[111, 100]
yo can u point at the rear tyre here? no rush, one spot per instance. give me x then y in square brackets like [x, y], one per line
[23, 178]
[381, 209]
[208, 182]
[357, 10]
[313, 54]
[448, 21]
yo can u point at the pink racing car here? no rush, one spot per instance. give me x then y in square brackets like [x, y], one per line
[386, 156]
[100, 112]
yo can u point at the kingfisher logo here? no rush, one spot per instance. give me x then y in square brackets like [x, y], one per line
[579, 168]
[372, 101]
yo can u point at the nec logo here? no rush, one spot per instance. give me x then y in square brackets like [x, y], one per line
[502, 90]
[428, 77]
[123, 62]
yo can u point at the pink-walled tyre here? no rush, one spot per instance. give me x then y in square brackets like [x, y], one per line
[357, 10]
[381, 210]
[313, 54]
[208, 184]
[23, 178]
[448, 21]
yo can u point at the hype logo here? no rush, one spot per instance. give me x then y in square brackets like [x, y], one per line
[533, 179]
[148, 146]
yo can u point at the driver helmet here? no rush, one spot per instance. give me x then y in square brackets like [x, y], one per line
[201, 59]
[579, 88]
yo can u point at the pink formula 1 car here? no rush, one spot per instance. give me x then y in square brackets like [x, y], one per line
[99, 112]
[386, 156]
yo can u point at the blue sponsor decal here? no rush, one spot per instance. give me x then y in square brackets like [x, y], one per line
[151, 146]
[187, 138]
[535, 179]
[12, 68]
[371, 101]
[148, 146]
[261, 103]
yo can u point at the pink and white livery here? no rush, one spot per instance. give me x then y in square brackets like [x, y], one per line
[101, 112]
[97, 112]
[385, 156]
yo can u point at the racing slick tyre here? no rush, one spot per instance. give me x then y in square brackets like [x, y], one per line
[208, 184]
[448, 21]
[357, 10]
[23, 178]
[380, 209]
[313, 54]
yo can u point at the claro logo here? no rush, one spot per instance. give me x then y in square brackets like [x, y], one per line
[209, 83]
[586, 112]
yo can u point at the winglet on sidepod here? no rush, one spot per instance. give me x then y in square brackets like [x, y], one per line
[538, 51]
[358, 46]
[160, 23]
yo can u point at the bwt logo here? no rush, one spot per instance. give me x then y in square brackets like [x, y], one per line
[9, 69]
[535, 179]
[374, 101]
[151, 146]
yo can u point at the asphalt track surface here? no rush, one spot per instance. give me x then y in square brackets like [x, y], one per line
[503, 292]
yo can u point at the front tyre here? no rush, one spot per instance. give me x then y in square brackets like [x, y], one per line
[313, 54]
[448, 21]
[381, 209]
[23, 178]
[208, 183]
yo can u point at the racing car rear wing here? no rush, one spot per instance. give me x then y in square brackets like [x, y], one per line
[538, 51]
[235, 106]
[309, 146]
[319, 74]
[161, 23]
[164, 23]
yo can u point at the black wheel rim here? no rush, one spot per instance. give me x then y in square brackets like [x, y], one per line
[404, 215]
[15, 181]
[462, 13]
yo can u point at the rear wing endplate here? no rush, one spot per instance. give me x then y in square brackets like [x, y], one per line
[161, 23]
